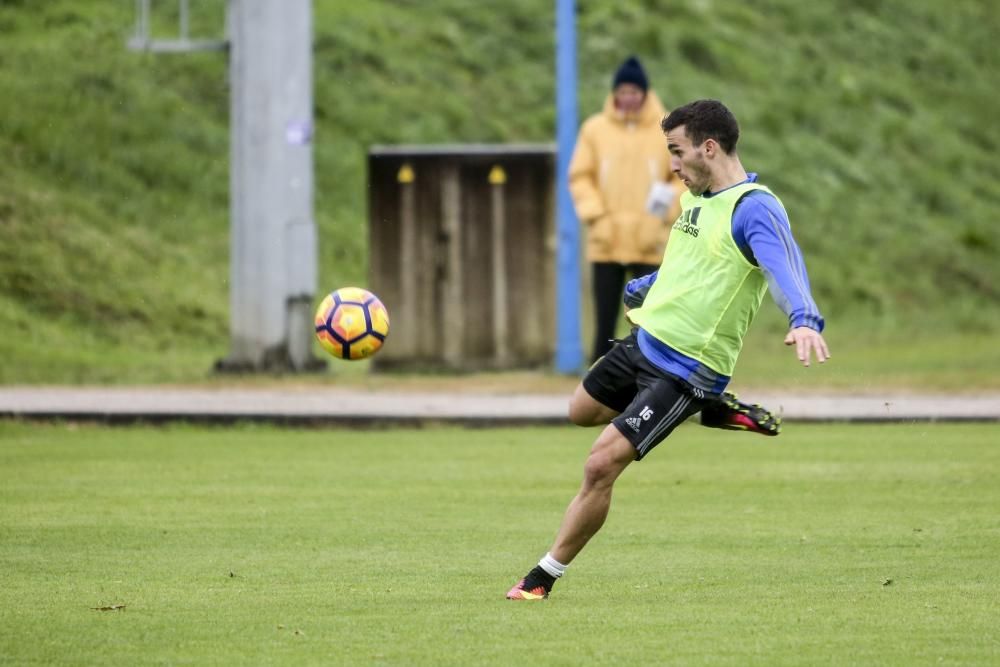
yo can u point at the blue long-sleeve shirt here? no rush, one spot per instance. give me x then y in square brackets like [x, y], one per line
[761, 231]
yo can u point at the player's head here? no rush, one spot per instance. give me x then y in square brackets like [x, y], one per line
[700, 135]
[630, 85]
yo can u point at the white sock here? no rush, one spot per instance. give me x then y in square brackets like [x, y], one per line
[552, 566]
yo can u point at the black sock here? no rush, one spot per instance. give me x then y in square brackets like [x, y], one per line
[538, 577]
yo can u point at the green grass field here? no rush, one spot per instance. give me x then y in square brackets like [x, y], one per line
[829, 545]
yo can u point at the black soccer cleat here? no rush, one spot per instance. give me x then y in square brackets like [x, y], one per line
[733, 415]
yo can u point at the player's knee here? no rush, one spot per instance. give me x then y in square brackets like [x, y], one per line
[598, 470]
[608, 458]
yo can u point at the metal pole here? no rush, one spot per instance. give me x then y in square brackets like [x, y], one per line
[184, 20]
[142, 23]
[569, 354]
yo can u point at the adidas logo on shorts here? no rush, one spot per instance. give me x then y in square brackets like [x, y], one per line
[634, 423]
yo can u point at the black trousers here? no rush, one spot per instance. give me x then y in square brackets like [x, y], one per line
[609, 289]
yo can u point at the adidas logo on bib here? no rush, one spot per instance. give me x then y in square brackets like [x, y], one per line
[634, 423]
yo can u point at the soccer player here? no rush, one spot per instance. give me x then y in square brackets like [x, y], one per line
[731, 241]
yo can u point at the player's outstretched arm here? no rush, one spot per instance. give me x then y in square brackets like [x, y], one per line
[808, 342]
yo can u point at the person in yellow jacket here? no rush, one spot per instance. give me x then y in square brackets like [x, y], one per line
[624, 193]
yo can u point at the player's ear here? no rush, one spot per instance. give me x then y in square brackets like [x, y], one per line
[710, 147]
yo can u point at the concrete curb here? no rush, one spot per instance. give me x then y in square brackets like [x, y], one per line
[361, 408]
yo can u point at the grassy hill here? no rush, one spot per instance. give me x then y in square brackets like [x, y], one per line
[872, 120]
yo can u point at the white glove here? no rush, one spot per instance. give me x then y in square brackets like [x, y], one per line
[659, 199]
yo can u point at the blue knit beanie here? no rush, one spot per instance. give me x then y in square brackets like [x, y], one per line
[631, 71]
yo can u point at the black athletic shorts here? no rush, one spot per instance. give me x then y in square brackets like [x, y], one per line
[652, 403]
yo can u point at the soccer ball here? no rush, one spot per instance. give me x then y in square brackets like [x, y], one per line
[351, 323]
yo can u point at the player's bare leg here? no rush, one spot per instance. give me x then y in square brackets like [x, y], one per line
[585, 410]
[586, 513]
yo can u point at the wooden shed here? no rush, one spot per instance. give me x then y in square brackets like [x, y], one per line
[462, 252]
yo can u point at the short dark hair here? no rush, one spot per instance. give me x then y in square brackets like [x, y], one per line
[705, 119]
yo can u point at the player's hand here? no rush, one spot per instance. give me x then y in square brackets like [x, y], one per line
[808, 342]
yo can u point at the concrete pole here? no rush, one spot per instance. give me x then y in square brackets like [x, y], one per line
[273, 234]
